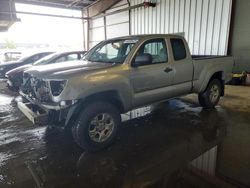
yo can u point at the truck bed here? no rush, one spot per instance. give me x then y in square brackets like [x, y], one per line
[203, 65]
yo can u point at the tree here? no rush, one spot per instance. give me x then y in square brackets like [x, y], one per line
[9, 44]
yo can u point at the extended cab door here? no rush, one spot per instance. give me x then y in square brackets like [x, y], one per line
[151, 80]
[181, 65]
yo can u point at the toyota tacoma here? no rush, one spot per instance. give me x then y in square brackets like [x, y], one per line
[116, 76]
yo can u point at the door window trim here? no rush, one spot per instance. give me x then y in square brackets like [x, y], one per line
[152, 39]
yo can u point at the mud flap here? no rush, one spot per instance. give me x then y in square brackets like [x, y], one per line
[34, 113]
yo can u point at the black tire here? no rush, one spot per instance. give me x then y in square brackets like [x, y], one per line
[205, 99]
[81, 128]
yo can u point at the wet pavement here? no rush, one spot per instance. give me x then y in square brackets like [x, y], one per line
[173, 144]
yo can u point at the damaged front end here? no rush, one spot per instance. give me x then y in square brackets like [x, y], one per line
[41, 101]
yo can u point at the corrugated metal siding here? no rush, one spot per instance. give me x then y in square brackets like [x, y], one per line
[206, 162]
[96, 31]
[204, 22]
[117, 24]
[109, 26]
[240, 36]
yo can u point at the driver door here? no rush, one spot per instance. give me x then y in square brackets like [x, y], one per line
[150, 81]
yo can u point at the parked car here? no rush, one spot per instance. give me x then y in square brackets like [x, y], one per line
[15, 76]
[13, 55]
[5, 67]
[116, 76]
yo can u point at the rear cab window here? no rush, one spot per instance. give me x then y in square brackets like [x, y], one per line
[179, 49]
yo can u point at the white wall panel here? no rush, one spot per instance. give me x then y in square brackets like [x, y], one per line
[96, 31]
[204, 22]
[117, 24]
[207, 161]
[111, 26]
[98, 22]
[117, 30]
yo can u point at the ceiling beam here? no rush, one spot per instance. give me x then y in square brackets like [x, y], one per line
[49, 4]
[99, 7]
[40, 14]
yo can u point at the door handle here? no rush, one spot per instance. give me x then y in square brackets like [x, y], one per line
[168, 69]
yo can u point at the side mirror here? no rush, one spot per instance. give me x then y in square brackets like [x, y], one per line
[143, 59]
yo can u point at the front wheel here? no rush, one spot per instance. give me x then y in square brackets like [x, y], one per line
[97, 126]
[211, 96]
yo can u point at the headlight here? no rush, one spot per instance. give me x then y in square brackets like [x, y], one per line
[57, 86]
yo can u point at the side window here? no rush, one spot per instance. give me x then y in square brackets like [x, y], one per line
[34, 58]
[37, 57]
[157, 49]
[81, 55]
[60, 59]
[129, 47]
[109, 51]
[179, 50]
[72, 57]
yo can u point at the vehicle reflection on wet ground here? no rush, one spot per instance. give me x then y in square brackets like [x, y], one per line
[172, 144]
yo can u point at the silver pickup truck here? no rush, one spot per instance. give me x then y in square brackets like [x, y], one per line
[116, 76]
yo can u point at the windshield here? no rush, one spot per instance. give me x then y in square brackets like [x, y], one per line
[45, 59]
[24, 58]
[114, 51]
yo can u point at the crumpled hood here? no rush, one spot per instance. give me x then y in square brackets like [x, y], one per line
[63, 70]
[18, 70]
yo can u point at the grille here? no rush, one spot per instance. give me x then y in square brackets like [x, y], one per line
[42, 91]
[36, 88]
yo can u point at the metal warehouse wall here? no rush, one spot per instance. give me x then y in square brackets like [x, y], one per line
[240, 44]
[205, 22]
[206, 162]
[109, 26]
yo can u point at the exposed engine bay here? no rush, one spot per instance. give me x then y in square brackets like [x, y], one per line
[40, 89]
[38, 104]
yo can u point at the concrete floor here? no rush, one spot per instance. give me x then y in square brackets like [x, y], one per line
[174, 144]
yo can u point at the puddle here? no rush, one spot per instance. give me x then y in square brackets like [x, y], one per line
[36, 132]
[7, 110]
[4, 157]
[140, 112]
[5, 100]
[143, 151]
[1, 178]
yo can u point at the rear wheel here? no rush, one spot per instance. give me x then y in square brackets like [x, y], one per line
[96, 126]
[211, 96]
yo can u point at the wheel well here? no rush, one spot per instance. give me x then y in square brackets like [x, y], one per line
[109, 96]
[219, 76]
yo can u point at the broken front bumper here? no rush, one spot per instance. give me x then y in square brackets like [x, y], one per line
[43, 114]
[37, 113]
[34, 113]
